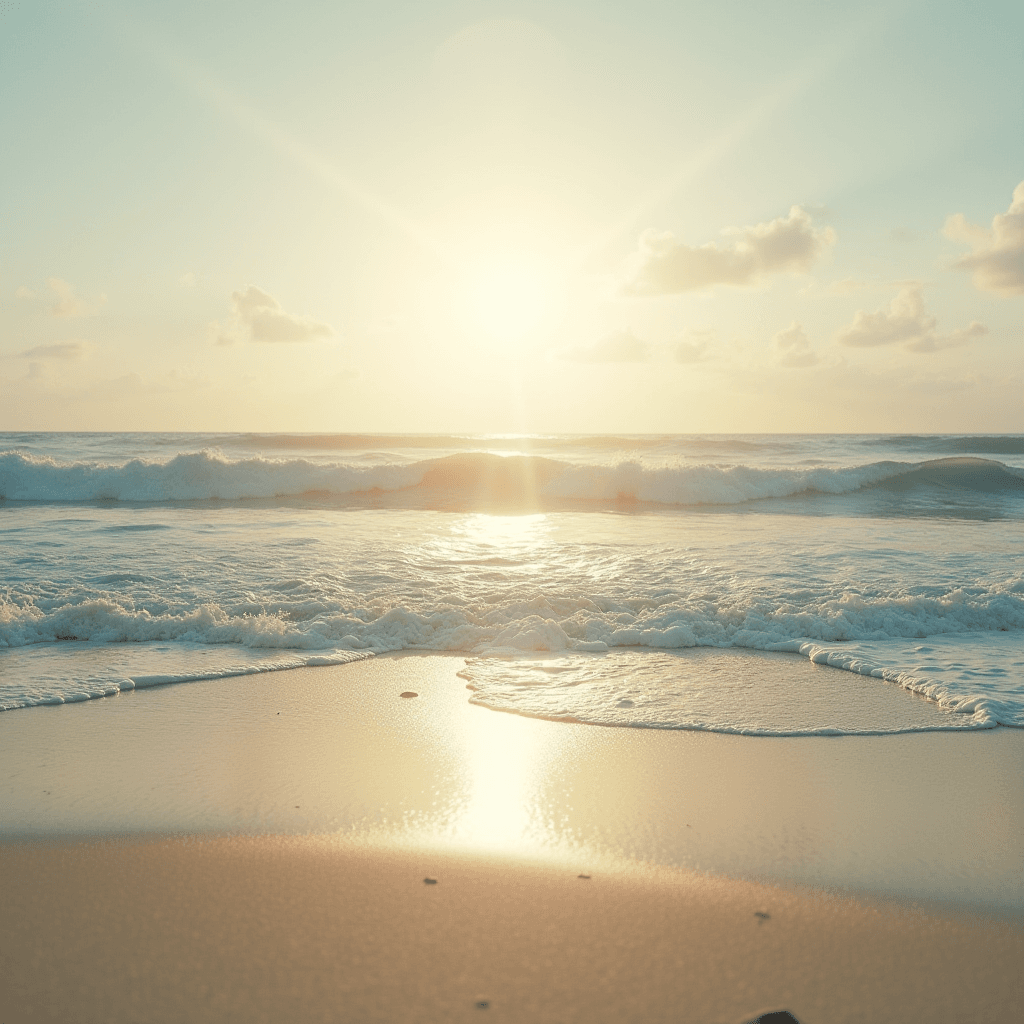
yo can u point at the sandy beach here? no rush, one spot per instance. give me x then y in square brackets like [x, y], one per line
[257, 849]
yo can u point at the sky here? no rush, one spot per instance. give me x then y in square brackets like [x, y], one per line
[512, 217]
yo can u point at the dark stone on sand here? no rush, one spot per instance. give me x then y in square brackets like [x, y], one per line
[482, 1004]
[430, 881]
[408, 693]
[762, 915]
[583, 876]
[775, 1017]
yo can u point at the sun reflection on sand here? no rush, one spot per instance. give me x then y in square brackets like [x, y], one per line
[506, 767]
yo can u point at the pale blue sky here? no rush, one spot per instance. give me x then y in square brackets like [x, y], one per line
[490, 217]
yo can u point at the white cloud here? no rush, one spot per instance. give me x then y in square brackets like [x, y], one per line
[907, 323]
[69, 304]
[24, 293]
[663, 266]
[618, 347]
[258, 316]
[997, 259]
[65, 350]
[791, 347]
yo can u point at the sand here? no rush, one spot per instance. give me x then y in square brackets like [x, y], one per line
[256, 849]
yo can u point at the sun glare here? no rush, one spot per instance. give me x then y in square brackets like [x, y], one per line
[507, 298]
[506, 766]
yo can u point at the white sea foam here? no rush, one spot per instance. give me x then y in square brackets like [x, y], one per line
[67, 674]
[544, 623]
[706, 690]
[976, 678]
[554, 625]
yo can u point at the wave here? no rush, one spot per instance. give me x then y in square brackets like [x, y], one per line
[478, 480]
[555, 621]
[502, 442]
[962, 444]
[847, 631]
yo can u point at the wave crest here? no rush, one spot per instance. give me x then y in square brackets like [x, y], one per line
[478, 480]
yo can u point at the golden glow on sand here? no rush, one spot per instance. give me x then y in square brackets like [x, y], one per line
[507, 765]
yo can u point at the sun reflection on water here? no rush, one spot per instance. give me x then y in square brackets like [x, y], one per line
[504, 532]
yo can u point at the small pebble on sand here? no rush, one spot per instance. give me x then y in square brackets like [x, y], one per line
[408, 693]
[482, 1004]
[430, 881]
[583, 876]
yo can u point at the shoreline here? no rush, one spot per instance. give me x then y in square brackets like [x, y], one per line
[929, 817]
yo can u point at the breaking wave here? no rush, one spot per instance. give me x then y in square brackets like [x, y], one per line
[557, 623]
[472, 480]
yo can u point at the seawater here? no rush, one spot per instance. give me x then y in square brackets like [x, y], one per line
[570, 571]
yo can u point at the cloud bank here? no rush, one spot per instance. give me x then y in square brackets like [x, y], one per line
[258, 316]
[997, 257]
[907, 323]
[663, 266]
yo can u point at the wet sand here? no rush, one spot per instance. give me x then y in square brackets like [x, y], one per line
[256, 849]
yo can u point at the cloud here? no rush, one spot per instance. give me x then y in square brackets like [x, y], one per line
[66, 350]
[618, 347]
[69, 304]
[997, 259]
[934, 343]
[904, 323]
[258, 316]
[791, 347]
[24, 293]
[697, 349]
[663, 266]
[187, 280]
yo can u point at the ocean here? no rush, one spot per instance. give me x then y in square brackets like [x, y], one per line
[610, 580]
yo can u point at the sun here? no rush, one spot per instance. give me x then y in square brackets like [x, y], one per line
[507, 298]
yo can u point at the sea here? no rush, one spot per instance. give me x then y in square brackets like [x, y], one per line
[578, 576]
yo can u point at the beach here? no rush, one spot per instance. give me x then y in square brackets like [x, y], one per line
[256, 848]
[511, 512]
